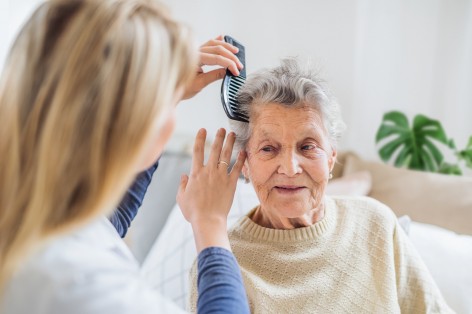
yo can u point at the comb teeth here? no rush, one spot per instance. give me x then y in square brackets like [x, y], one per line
[232, 84]
[235, 83]
[239, 79]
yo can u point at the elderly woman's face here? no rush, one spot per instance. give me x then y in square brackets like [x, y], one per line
[289, 159]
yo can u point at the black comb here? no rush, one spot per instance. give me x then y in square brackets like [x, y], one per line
[231, 85]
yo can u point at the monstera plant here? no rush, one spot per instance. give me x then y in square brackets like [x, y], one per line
[416, 146]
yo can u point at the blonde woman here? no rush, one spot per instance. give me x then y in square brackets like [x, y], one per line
[87, 102]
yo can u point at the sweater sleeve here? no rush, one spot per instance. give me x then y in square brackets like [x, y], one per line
[220, 285]
[416, 289]
[121, 218]
[193, 292]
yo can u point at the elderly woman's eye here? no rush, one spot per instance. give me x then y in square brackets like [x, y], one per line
[309, 147]
[268, 149]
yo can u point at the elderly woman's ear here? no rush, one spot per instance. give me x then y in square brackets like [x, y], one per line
[332, 159]
[245, 171]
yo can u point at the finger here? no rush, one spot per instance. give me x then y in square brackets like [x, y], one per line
[182, 187]
[216, 148]
[219, 37]
[204, 79]
[222, 51]
[228, 148]
[199, 150]
[238, 166]
[212, 59]
[220, 42]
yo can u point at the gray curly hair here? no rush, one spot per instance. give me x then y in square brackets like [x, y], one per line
[291, 85]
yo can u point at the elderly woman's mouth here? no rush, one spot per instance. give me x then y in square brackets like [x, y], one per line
[289, 189]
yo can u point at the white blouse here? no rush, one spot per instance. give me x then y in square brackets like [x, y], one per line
[89, 271]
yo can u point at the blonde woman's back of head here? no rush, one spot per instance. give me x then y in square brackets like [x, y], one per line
[85, 85]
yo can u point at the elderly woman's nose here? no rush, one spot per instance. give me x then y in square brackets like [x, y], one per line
[289, 163]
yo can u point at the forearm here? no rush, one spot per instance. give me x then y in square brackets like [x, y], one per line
[220, 285]
[211, 233]
[122, 217]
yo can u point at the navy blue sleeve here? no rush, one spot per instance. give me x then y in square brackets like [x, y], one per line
[220, 285]
[128, 208]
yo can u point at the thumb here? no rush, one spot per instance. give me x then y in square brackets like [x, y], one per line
[182, 186]
[212, 76]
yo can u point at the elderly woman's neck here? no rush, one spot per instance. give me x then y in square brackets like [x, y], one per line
[265, 219]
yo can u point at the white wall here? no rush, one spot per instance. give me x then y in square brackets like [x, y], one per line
[4, 9]
[377, 56]
[13, 14]
[415, 56]
[271, 32]
[411, 55]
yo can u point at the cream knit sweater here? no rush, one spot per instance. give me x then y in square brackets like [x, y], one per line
[357, 259]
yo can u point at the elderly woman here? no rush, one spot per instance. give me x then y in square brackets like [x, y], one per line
[301, 251]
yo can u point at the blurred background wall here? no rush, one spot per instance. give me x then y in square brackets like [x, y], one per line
[376, 56]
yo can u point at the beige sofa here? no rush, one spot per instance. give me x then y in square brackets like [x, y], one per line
[442, 200]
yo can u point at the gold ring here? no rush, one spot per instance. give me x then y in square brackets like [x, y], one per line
[223, 162]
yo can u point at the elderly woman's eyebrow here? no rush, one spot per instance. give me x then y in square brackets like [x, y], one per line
[310, 138]
[264, 133]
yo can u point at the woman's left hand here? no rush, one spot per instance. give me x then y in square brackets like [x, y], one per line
[214, 52]
[206, 195]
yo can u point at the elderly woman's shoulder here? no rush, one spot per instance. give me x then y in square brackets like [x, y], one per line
[364, 207]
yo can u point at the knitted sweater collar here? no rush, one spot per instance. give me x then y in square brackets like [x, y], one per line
[249, 227]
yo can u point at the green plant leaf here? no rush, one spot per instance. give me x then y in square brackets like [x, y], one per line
[386, 130]
[393, 122]
[388, 149]
[447, 168]
[436, 154]
[403, 157]
[415, 146]
[397, 118]
[426, 127]
[452, 144]
[466, 154]
[429, 160]
[469, 145]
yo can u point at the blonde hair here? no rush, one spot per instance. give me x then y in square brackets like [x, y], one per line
[85, 85]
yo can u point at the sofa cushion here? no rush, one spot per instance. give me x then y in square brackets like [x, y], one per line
[432, 198]
[354, 184]
[448, 257]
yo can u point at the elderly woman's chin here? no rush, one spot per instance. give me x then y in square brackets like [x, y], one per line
[282, 204]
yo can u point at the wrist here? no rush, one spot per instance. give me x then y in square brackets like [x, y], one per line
[210, 232]
[209, 221]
